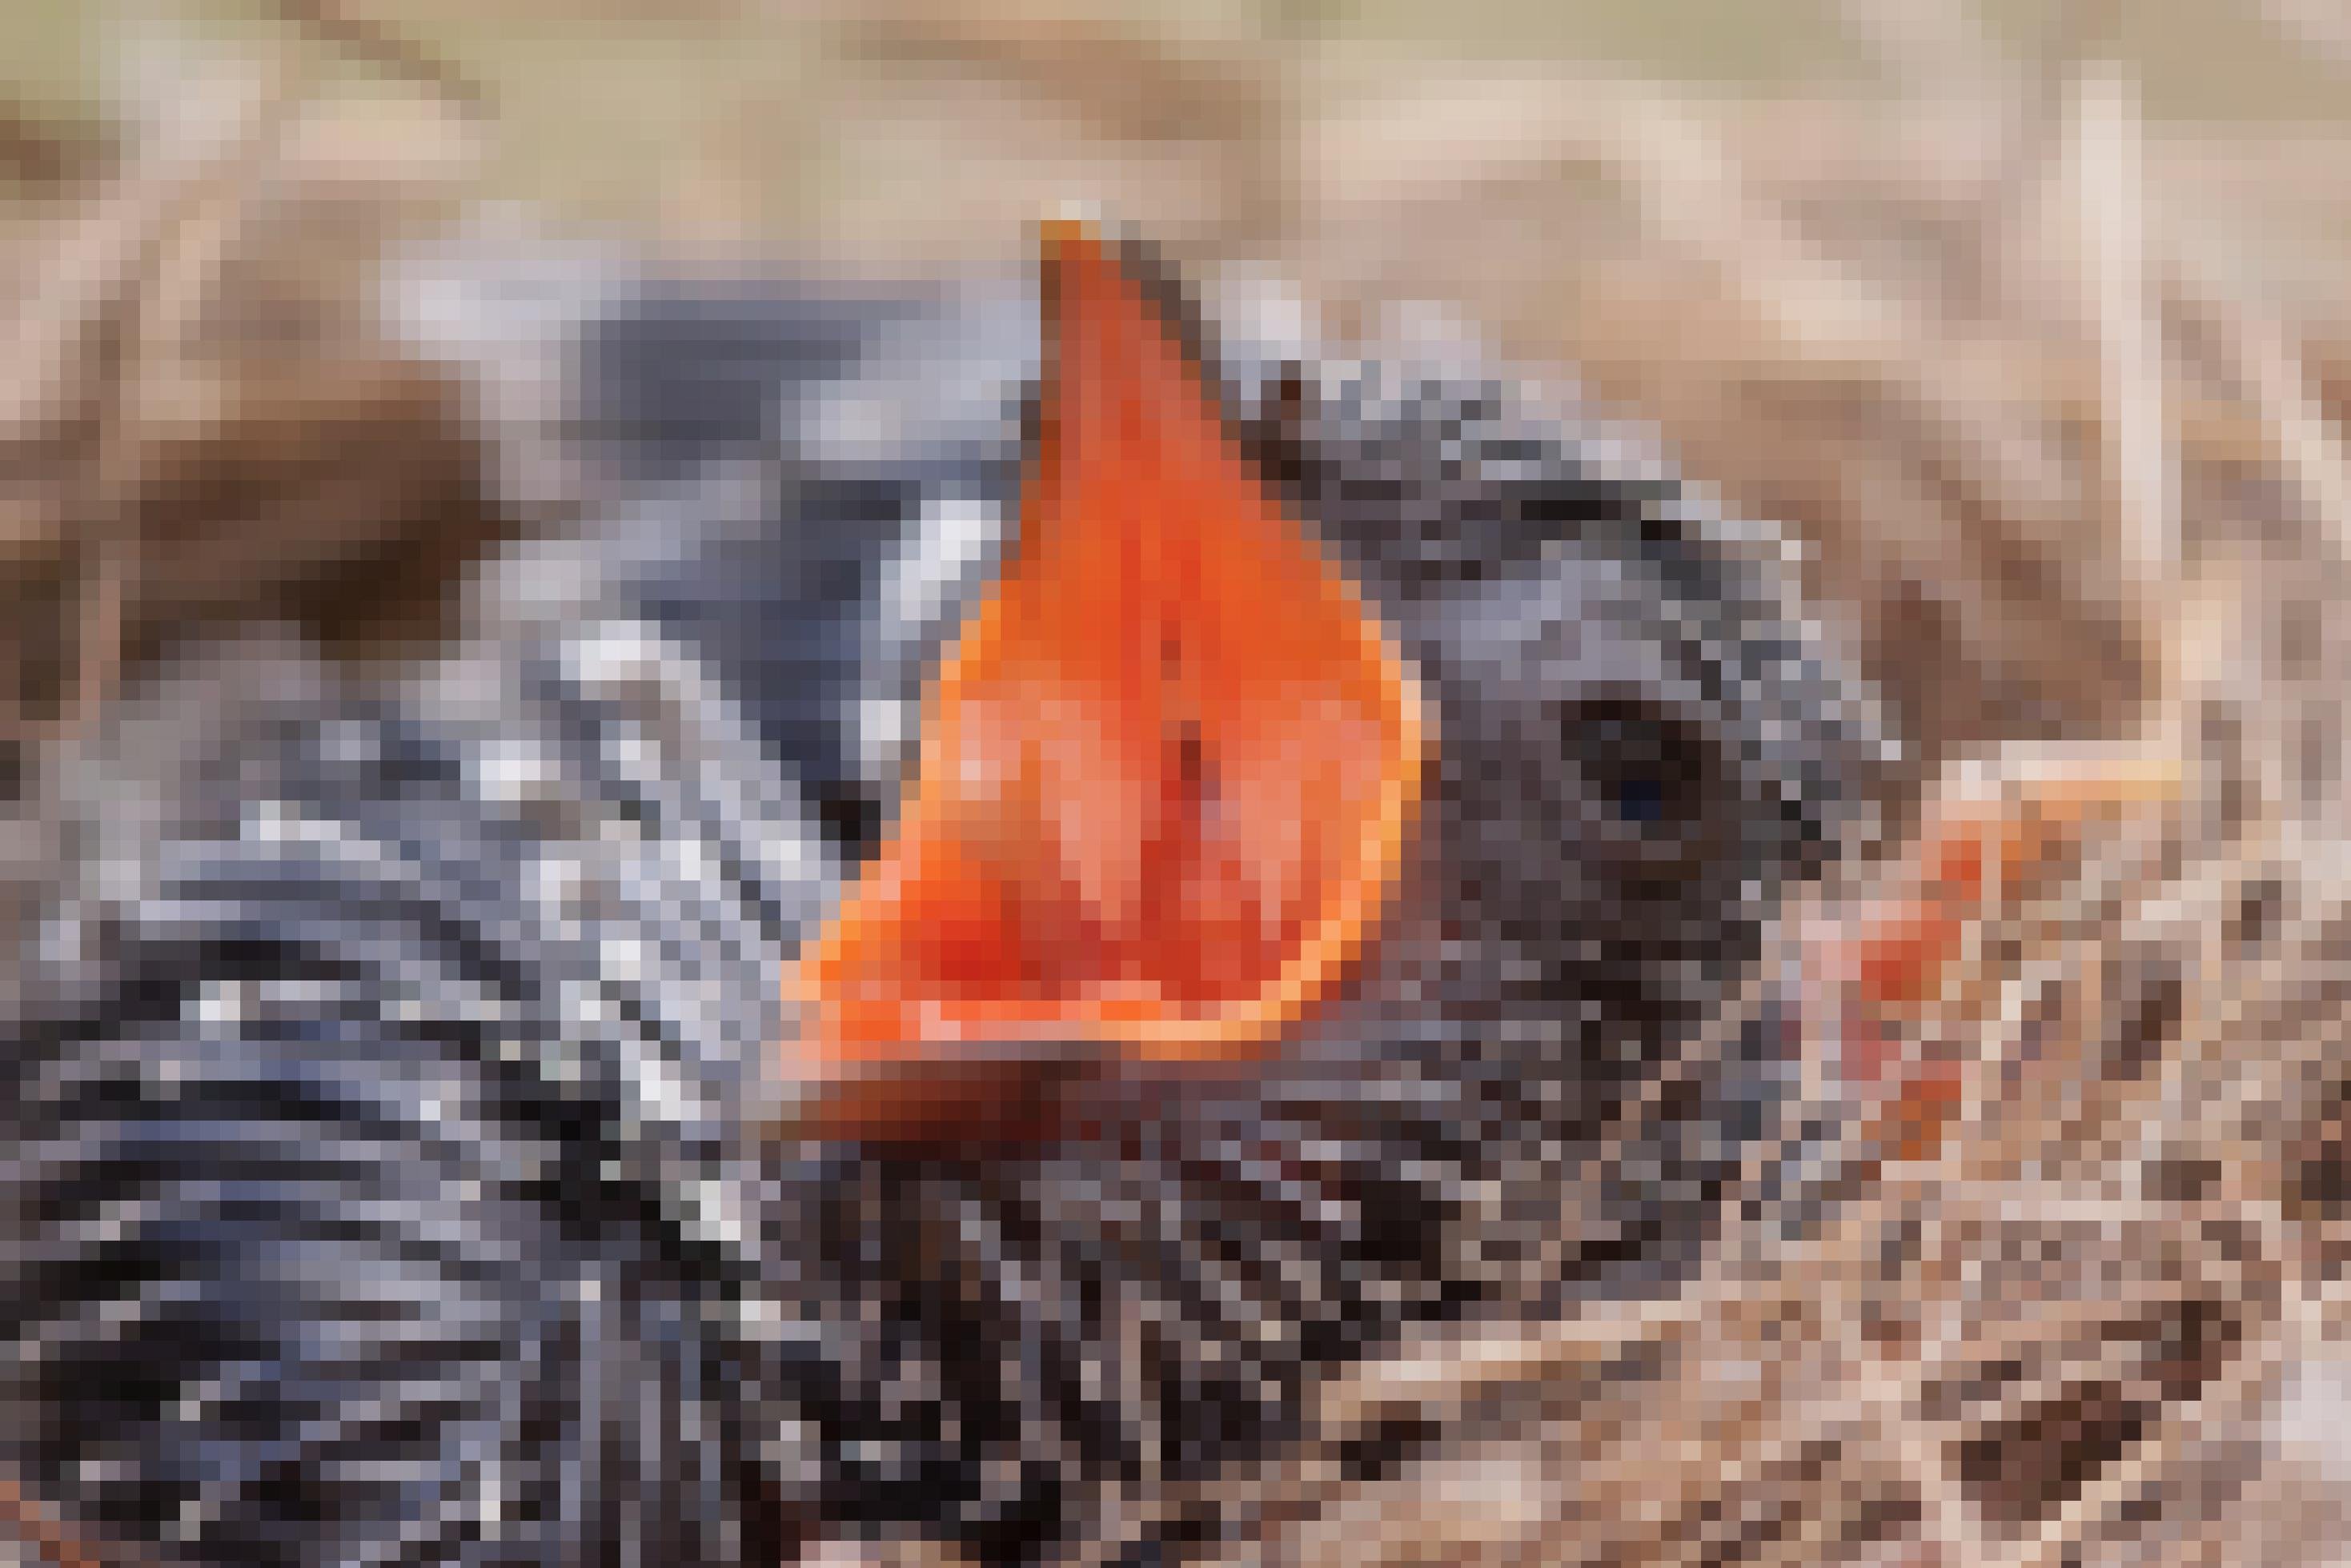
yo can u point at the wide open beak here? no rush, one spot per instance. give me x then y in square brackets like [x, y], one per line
[1164, 779]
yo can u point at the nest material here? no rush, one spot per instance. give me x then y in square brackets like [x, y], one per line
[201, 422]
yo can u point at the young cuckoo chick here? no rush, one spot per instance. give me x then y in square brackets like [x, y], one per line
[1021, 889]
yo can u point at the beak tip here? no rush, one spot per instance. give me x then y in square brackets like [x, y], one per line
[1078, 233]
[1070, 221]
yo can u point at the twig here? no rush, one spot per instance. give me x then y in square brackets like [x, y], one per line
[2035, 143]
[2297, 433]
[162, 299]
[377, 44]
[1446, 1374]
[46, 153]
[2110, 169]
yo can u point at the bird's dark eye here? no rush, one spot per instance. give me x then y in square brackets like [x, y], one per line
[1650, 778]
[1640, 799]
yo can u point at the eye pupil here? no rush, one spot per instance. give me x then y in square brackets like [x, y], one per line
[1641, 799]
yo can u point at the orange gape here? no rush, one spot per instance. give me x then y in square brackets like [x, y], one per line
[1164, 779]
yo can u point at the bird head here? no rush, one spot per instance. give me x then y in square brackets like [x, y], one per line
[1372, 721]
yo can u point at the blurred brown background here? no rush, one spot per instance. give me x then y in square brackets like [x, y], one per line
[766, 123]
[920, 131]
[1857, 260]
